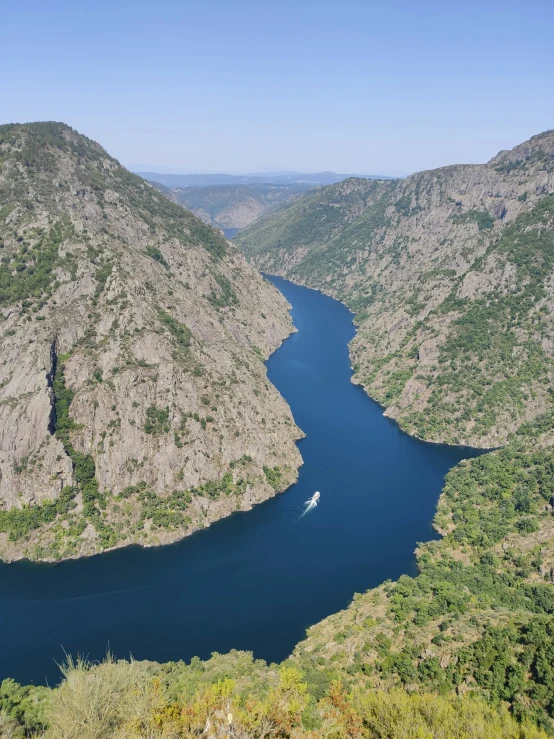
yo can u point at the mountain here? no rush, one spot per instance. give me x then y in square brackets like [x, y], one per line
[274, 178]
[232, 206]
[449, 273]
[237, 201]
[134, 402]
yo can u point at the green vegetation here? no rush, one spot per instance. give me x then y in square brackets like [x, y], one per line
[239, 697]
[18, 523]
[274, 476]
[101, 276]
[343, 249]
[29, 273]
[226, 295]
[395, 384]
[404, 206]
[181, 333]
[37, 147]
[480, 614]
[529, 244]
[482, 218]
[22, 709]
[169, 512]
[539, 156]
[491, 356]
[510, 166]
[315, 219]
[156, 255]
[157, 420]
[491, 361]
[478, 621]
[164, 512]
[84, 469]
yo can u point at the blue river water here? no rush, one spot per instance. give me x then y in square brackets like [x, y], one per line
[258, 579]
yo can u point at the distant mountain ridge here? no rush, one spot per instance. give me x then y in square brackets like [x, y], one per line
[233, 206]
[287, 178]
[236, 201]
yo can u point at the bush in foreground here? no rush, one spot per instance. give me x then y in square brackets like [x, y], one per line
[132, 700]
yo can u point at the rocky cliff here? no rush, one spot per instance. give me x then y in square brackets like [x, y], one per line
[450, 275]
[134, 402]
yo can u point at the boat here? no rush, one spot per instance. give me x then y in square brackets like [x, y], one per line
[315, 497]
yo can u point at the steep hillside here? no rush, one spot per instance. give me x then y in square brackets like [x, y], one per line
[281, 241]
[134, 403]
[479, 617]
[450, 275]
[233, 206]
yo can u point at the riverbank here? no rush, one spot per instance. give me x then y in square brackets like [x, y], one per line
[270, 574]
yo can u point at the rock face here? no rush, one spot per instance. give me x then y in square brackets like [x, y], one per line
[134, 402]
[450, 275]
[233, 206]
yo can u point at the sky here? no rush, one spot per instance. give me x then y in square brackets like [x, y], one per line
[368, 87]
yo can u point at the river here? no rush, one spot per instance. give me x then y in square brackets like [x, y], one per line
[258, 579]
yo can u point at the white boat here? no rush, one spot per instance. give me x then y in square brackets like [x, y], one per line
[315, 497]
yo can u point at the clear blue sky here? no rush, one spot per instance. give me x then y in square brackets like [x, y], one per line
[263, 85]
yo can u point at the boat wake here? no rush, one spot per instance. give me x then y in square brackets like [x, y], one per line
[310, 504]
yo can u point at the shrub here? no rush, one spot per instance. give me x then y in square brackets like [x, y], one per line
[157, 420]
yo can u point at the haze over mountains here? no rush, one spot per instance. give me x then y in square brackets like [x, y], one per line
[232, 207]
[276, 178]
[232, 202]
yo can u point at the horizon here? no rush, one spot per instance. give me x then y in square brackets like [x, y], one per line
[356, 88]
[151, 169]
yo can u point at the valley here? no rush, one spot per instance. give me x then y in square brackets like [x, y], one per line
[233, 206]
[271, 571]
[277, 370]
[452, 298]
[449, 275]
[232, 202]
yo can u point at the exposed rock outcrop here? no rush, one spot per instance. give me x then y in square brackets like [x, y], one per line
[134, 402]
[450, 275]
